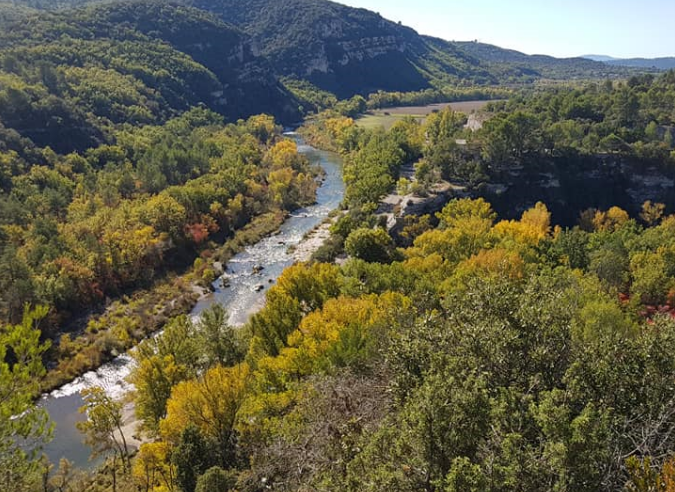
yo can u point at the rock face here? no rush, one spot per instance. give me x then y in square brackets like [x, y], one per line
[351, 51]
[568, 188]
[249, 85]
[396, 208]
[338, 48]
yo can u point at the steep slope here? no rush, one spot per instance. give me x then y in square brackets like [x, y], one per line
[249, 83]
[350, 51]
[342, 49]
[127, 62]
[338, 48]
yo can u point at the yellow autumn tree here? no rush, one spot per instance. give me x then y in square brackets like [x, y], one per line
[493, 263]
[301, 289]
[152, 468]
[533, 227]
[210, 403]
[464, 230]
[652, 213]
[337, 126]
[342, 334]
[611, 220]
[284, 154]
[458, 212]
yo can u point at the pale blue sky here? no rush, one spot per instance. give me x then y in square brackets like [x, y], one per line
[621, 28]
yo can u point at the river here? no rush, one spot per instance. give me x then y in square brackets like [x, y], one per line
[244, 295]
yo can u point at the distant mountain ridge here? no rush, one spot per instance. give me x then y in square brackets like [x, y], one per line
[538, 66]
[661, 63]
[665, 63]
[599, 58]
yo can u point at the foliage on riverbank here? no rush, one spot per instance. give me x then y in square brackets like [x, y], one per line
[559, 131]
[129, 320]
[481, 336]
[126, 221]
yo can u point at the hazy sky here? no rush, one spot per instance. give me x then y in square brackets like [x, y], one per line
[621, 28]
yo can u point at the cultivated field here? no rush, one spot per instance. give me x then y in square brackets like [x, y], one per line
[387, 117]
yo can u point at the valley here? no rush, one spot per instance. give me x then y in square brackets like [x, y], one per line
[455, 274]
[236, 290]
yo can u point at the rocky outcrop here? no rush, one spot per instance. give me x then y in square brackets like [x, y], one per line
[338, 48]
[570, 187]
[395, 208]
[248, 84]
[567, 189]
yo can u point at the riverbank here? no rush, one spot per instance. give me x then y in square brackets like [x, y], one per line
[130, 319]
[311, 243]
[130, 428]
[267, 244]
[302, 252]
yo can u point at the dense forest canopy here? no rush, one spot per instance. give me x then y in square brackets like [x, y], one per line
[135, 63]
[620, 136]
[488, 355]
[493, 308]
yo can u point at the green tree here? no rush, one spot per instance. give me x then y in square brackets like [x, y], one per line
[16, 285]
[103, 429]
[611, 265]
[24, 427]
[161, 363]
[218, 340]
[652, 131]
[508, 138]
[372, 245]
[464, 476]
[192, 457]
[216, 480]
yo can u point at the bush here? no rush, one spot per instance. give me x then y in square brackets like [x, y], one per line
[371, 245]
[216, 480]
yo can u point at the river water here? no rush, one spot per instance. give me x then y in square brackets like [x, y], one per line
[244, 295]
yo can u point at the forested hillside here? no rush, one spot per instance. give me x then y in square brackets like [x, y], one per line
[115, 164]
[349, 51]
[539, 66]
[68, 78]
[665, 63]
[78, 230]
[491, 308]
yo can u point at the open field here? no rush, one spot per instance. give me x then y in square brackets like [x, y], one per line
[387, 117]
